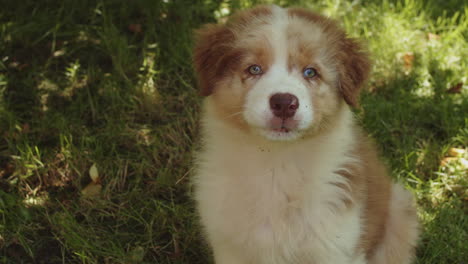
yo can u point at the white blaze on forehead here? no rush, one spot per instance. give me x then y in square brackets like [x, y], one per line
[279, 40]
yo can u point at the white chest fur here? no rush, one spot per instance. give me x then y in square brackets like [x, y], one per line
[275, 203]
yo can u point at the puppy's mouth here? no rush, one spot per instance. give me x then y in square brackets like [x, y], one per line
[279, 129]
[282, 130]
[283, 125]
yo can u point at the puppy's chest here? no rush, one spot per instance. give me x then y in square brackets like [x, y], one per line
[267, 199]
[265, 204]
[274, 190]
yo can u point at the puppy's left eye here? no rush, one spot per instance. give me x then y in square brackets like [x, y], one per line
[310, 73]
[255, 69]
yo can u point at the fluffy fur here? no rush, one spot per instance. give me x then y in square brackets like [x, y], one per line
[312, 191]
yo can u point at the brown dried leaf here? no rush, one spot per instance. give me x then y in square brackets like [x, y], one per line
[456, 88]
[432, 36]
[447, 160]
[408, 59]
[456, 152]
[135, 28]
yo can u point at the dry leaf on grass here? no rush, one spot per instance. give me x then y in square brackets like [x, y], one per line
[135, 28]
[408, 59]
[456, 152]
[456, 88]
[94, 174]
[447, 160]
[92, 190]
[137, 254]
[432, 36]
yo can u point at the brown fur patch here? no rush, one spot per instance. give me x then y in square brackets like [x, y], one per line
[222, 57]
[401, 231]
[212, 55]
[230, 105]
[368, 184]
[230, 98]
[345, 53]
[216, 54]
[378, 191]
[353, 69]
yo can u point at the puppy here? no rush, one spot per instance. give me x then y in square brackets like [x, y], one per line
[284, 175]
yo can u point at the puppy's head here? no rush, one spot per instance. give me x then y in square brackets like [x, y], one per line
[280, 73]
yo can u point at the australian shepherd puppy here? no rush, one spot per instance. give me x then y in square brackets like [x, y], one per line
[284, 174]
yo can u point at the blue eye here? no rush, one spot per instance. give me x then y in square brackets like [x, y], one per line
[255, 69]
[310, 72]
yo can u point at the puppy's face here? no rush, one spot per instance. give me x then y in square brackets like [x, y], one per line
[280, 73]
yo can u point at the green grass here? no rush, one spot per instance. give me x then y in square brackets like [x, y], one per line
[110, 84]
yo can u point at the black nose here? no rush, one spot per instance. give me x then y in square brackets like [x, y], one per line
[284, 105]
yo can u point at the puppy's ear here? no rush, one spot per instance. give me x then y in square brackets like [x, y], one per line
[212, 44]
[353, 70]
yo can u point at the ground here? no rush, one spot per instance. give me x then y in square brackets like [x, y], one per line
[99, 110]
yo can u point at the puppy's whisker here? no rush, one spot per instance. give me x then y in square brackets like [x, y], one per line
[234, 114]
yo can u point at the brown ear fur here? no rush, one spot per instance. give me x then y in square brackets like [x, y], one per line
[210, 54]
[353, 70]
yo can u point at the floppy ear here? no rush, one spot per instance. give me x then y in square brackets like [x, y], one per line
[212, 45]
[353, 70]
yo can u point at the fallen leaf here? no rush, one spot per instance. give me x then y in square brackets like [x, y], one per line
[14, 64]
[408, 59]
[135, 28]
[137, 254]
[23, 66]
[446, 161]
[456, 88]
[432, 36]
[456, 152]
[58, 53]
[94, 174]
[92, 190]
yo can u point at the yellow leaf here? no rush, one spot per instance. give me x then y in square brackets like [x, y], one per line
[92, 190]
[432, 36]
[94, 174]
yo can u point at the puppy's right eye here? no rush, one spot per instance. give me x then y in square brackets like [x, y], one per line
[255, 69]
